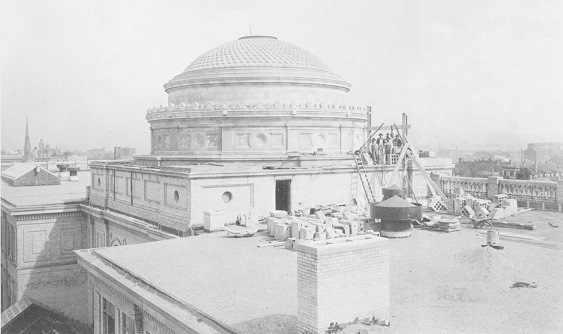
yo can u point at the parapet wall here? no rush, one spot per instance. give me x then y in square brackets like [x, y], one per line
[341, 280]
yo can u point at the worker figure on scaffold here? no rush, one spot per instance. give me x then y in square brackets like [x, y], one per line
[388, 147]
[380, 149]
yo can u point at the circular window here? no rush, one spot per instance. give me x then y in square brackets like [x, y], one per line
[176, 195]
[227, 196]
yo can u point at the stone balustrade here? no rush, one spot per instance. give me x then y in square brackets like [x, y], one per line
[529, 190]
[187, 110]
[547, 195]
[474, 186]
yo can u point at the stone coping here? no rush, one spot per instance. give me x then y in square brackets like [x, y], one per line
[340, 245]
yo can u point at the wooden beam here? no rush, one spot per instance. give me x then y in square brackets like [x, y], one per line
[414, 159]
[426, 176]
[385, 128]
[396, 169]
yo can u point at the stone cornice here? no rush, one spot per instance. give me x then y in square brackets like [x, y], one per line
[40, 216]
[39, 209]
[127, 222]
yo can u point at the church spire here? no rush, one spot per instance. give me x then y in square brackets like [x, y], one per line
[27, 153]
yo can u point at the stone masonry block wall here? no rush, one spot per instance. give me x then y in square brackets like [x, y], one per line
[340, 280]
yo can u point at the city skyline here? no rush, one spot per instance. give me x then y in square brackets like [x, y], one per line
[468, 75]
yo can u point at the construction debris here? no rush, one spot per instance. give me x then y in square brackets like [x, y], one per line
[328, 222]
[532, 285]
[448, 225]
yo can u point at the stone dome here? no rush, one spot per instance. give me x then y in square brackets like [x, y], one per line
[257, 51]
[257, 68]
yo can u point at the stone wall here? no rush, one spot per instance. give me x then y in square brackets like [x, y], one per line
[157, 197]
[341, 280]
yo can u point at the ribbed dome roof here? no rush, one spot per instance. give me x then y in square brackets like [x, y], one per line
[257, 51]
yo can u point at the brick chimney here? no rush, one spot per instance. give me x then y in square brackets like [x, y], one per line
[340, 280]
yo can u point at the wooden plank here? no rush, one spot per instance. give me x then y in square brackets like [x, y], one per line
[522, 226]
[396, 169]
[271, 243]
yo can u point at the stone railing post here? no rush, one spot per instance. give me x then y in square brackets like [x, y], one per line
[437, 179]
[341, 280]
[492, 186]
[559, 194]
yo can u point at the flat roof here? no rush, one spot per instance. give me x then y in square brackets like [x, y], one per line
[65, 193]
[437, 280]
[228, 278]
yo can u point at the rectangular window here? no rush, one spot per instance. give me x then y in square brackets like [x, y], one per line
[126, 324]
[108, 317]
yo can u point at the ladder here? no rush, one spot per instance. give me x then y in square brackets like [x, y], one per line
[360, 167]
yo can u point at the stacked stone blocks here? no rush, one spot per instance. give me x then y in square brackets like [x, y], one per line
[340, 280]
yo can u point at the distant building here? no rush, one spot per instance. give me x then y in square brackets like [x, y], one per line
[480, 168]
[123, 153]
[41, 226]
[98, 154]
[542, 152]
[27, 174]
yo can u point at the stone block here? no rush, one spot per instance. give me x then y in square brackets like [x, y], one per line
[483, 212]
[320, 235]
[497, 213]
[295, 227]
[349, 215]
[289, 243]
[497, 199]
[270, 223]
[319, 227]
[467, 211]
[353, 226]
[330, 233]
[509, 202]
[306, 233]
[213, 221]
[282, 231]
[361, 226]
[278, 213]
[321, 216]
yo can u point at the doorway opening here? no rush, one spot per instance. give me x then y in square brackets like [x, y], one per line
[283, 195]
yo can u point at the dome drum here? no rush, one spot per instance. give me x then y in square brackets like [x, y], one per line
[256, 96]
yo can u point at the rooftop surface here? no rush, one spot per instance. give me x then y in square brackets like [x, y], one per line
[65, 193]
[230, 279]
[440, 282]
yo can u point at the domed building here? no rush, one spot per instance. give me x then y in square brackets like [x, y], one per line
[256, 124]
[252, 99]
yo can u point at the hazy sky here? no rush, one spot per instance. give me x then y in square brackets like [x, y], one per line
[468, 73]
